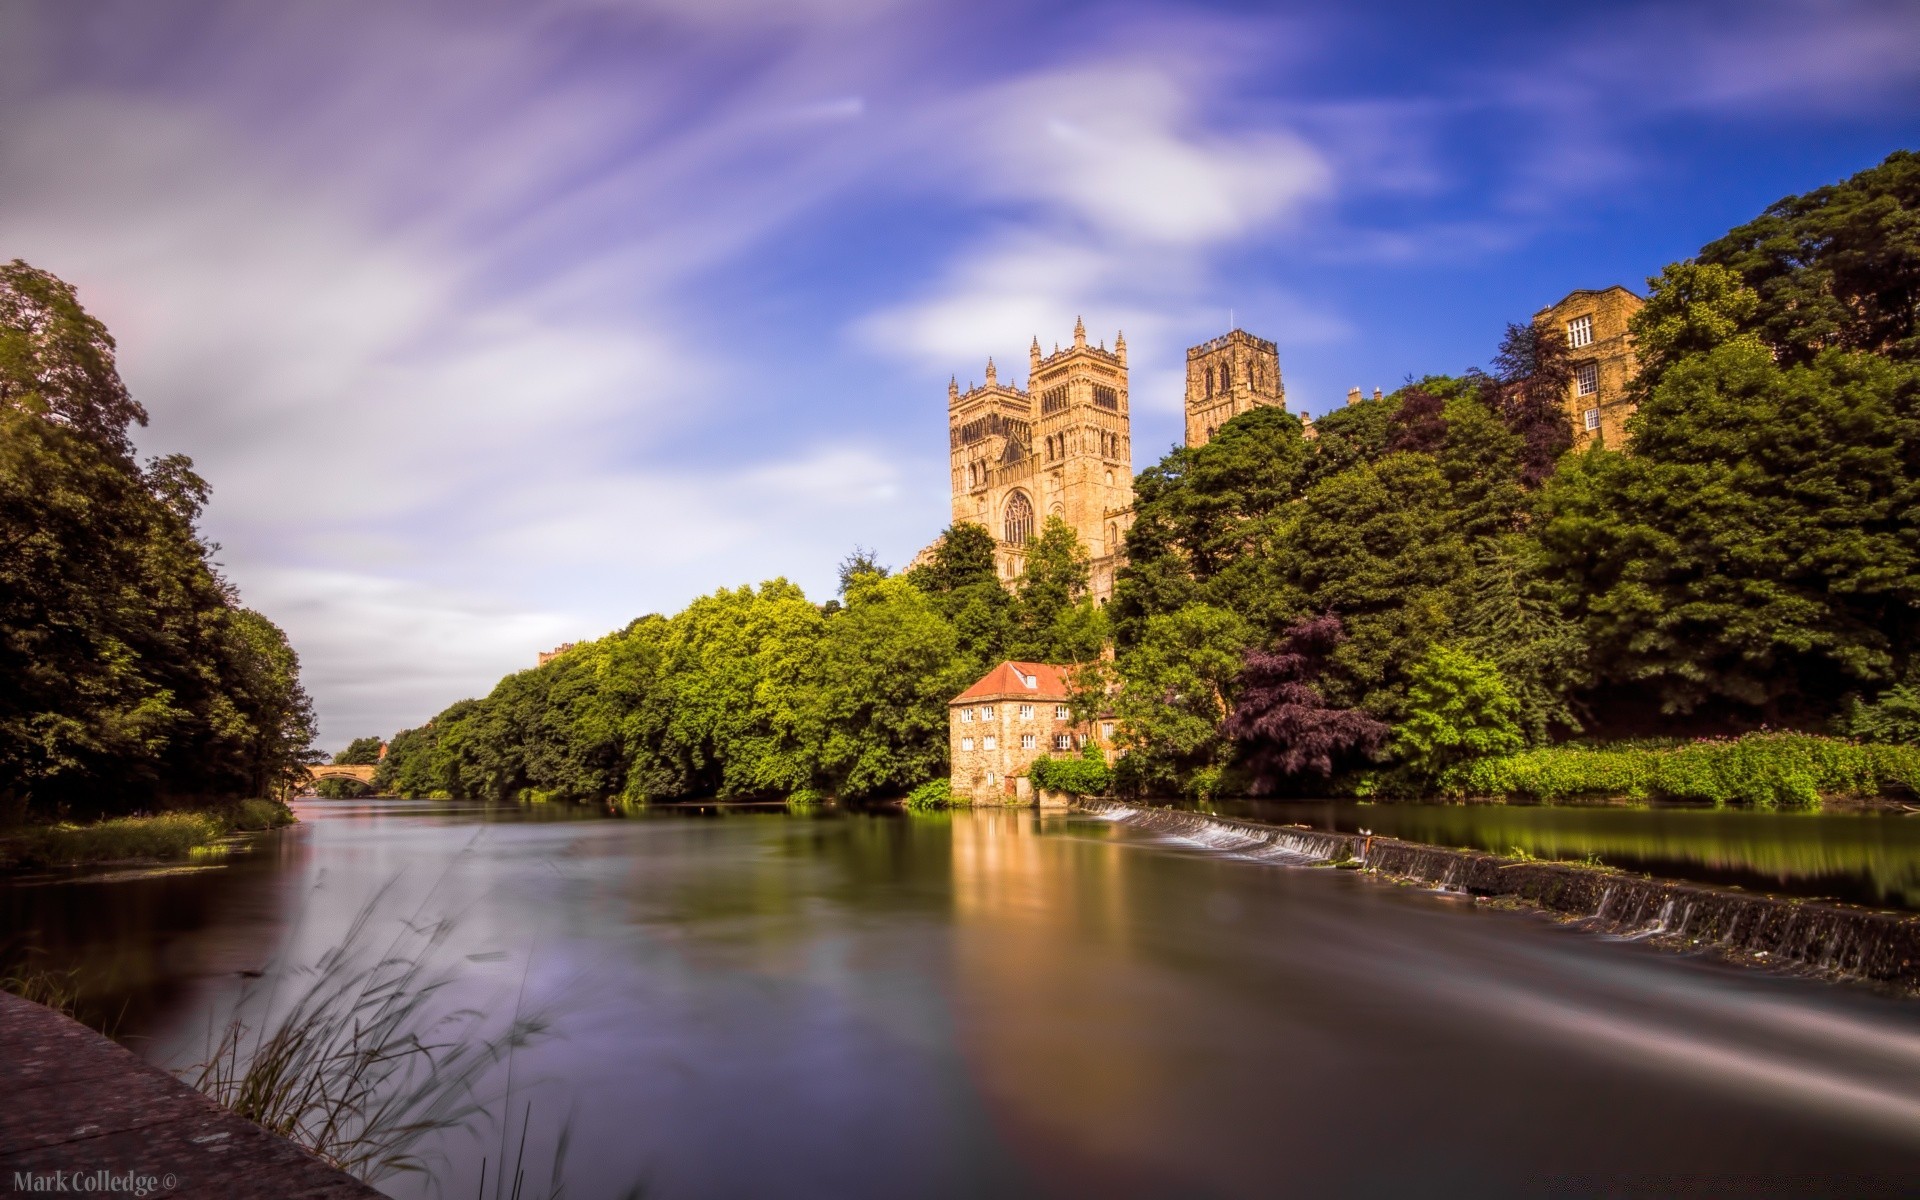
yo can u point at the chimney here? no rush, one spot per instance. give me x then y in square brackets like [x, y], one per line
[1376, 393]
[1353, 395]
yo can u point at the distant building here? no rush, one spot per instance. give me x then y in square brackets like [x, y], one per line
[1231, 374]
[1601, 350]
[547, 656]
[1014, 714]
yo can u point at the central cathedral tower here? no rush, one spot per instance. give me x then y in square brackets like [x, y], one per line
[1061, 447]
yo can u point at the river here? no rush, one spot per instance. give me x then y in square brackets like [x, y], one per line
[746, 1003]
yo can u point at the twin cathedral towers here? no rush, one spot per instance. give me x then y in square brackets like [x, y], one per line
[1063, 445]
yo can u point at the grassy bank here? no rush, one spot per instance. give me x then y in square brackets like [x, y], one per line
[1763, 770]
[166, 836]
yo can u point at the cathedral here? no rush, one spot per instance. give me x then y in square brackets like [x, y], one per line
[1063, 445]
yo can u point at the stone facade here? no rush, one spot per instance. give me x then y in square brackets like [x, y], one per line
[1227, 376]
[1062, 446]
[996, 728]
[1601, 351]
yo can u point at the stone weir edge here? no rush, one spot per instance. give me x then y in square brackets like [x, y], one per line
[1822, 938]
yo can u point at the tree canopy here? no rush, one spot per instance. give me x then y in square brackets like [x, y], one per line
[130, 675]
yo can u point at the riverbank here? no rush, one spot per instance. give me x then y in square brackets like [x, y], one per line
[86, 1115]
[1829, 940]
[163, 837]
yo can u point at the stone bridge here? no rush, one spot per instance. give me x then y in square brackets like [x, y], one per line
[360, 771]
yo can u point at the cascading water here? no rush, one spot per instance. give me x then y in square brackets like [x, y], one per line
[1830, 939]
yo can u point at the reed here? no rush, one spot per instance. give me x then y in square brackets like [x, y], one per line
[364, 1065]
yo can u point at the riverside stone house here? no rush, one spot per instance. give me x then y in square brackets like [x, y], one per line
[1014, 714]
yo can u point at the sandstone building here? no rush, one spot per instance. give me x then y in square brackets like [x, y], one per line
[1601, 352]
[1014, 714]
[1227, 376]
[1063, 446]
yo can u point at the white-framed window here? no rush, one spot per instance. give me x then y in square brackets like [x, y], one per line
[1063, 741]
[966, 743]
[1026, 741]
[966, 716]
[1083, 740]
[1026, 712]
[986, 712]
[989, 778]
[1580, 332]
[1592, 418]
[1586, 379]
[1060, 712]
[987, 743]
[1106, 731]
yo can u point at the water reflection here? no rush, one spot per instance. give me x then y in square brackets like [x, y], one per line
[1001, 1003]
[1862, 858]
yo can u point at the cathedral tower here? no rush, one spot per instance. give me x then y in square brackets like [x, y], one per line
[1063, 447]
[1228, 376]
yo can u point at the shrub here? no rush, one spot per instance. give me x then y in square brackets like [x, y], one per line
[259, 814]
[933, 794]
[1765, 770]
[1458, 710]
[805, 800]
[1086, 775]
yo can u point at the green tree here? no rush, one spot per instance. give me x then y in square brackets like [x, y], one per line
[1692, 308]
[1054, 617]
[1836, 268]
[1756, 547]
[1458, 709]
[1176, 691]
[361, 751]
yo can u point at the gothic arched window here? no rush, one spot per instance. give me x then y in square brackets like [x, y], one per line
[1209, 381]
[1019, 519]
[1226, 378]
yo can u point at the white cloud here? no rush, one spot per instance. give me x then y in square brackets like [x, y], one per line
[1122, 146]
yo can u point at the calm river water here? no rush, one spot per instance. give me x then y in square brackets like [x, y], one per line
[1008, 1004]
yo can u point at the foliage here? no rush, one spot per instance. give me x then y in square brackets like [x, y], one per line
[1281, 718]
[1085, 775]
[1765, 770]
[1755, 549]
[1893, 716]
[1534, 369]
[166, 836]
[1176, 693]
[1458, 709]
[1514, 620]
[361, 751]
[1054, 618]
[1836, 268]
[1692, 308]
[933, 794]
[134, 679]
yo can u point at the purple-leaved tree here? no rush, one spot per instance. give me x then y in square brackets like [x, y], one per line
[1282, 719]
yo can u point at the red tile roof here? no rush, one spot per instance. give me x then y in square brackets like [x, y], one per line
[1010, 679]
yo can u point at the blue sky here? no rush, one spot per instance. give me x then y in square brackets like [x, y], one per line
[497, 324]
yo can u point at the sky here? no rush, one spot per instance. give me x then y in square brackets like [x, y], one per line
[498, 324]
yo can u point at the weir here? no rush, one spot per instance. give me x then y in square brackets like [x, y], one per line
[1827, 939]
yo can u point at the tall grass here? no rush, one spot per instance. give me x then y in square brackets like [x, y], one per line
[364, 1064]
[1763, 770]
[165, 836]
